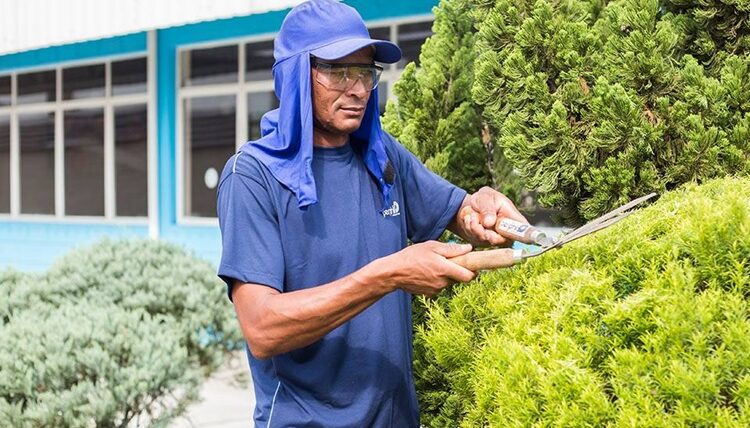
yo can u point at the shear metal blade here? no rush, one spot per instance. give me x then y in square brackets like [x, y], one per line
[595, 225]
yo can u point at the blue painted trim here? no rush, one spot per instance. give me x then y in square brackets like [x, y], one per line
[54, 55]
[34, 246]
[165, 119]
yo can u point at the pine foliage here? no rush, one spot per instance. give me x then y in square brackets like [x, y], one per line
[600, 102]
[434, 115]
[643, 324]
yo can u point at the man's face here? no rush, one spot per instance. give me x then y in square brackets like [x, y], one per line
[341, 111]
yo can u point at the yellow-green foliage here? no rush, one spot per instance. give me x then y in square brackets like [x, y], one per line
[645, 324]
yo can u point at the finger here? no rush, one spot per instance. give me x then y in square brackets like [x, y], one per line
[470, 220]
[458, 273]
[495, 239]
[509, 210]
[452, 250]
[488, 203]
[477, 228]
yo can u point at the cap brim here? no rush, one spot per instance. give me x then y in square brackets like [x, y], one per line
[385, 51]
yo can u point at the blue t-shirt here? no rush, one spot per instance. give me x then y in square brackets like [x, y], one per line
[359, 374]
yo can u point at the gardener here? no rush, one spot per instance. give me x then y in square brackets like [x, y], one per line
[315, 219]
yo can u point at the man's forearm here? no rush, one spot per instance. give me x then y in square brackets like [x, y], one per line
[282, 322]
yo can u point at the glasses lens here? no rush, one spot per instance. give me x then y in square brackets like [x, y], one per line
[344, 76]
[368, 75]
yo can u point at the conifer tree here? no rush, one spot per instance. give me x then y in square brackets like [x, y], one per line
[435, 117]
[596, 103]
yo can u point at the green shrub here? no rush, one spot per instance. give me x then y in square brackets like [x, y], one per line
[9, 282]
[643, 324]
[596, 103]
[158, 277]
[92, 364]
[434, 115]
[111, 333]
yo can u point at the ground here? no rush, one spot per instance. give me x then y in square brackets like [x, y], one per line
[226, 398]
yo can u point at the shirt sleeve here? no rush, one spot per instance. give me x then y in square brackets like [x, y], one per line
[431, 201]
[250, 237]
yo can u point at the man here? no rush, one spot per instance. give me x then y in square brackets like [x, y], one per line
[315, 219]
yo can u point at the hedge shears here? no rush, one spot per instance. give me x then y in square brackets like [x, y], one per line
[517, 231]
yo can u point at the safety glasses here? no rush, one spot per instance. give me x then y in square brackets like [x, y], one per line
[343, 76]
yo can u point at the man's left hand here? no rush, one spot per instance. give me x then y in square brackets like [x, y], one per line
[488, 207]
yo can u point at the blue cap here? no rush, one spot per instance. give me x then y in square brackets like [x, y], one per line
[329, 30]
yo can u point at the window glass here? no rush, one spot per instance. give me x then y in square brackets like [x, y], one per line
[4, 164]
[259, 61]
[87, 81]
[37, 146]
[410, 40]
[382, 96]
[210, 136]
[210, 66]
[129, 76]
[84, 162]
[380, 33]
[131, 166]
[258, 103]
[36, 87]
[4, 91]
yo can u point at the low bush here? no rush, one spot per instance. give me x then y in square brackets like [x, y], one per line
[92, 364]
[114, 332]
[159, 278]
[643, 324]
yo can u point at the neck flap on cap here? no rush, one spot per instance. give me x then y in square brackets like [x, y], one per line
[286, 145]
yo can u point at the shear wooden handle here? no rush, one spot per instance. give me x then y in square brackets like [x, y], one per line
[490, 259]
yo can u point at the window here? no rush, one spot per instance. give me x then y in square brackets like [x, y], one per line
[380, 33]
[222, 101]
[131, 136]
[258, 103]
[129, 76]
[209, 142]
[82, 145]
[409, 37]
[410, 40]
[4, 91]
[83, 82]
[258, 61]
[210, 66]
[36, 87]
[37, 146]
[84, 162]
[382, 95]
[4, 164]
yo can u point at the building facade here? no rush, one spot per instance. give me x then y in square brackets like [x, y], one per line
[126, 136]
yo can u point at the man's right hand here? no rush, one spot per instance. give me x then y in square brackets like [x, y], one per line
[424, 268]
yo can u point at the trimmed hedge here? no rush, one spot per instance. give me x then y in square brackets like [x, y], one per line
[113, 332]
[644, 324]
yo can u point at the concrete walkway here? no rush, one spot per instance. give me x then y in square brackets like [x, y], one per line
[226, 399]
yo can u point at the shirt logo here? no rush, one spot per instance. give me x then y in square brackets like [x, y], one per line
[393, 211]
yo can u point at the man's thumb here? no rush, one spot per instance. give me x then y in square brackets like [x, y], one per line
[452, 250]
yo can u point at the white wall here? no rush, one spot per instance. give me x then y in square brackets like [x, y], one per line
[31, 24]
